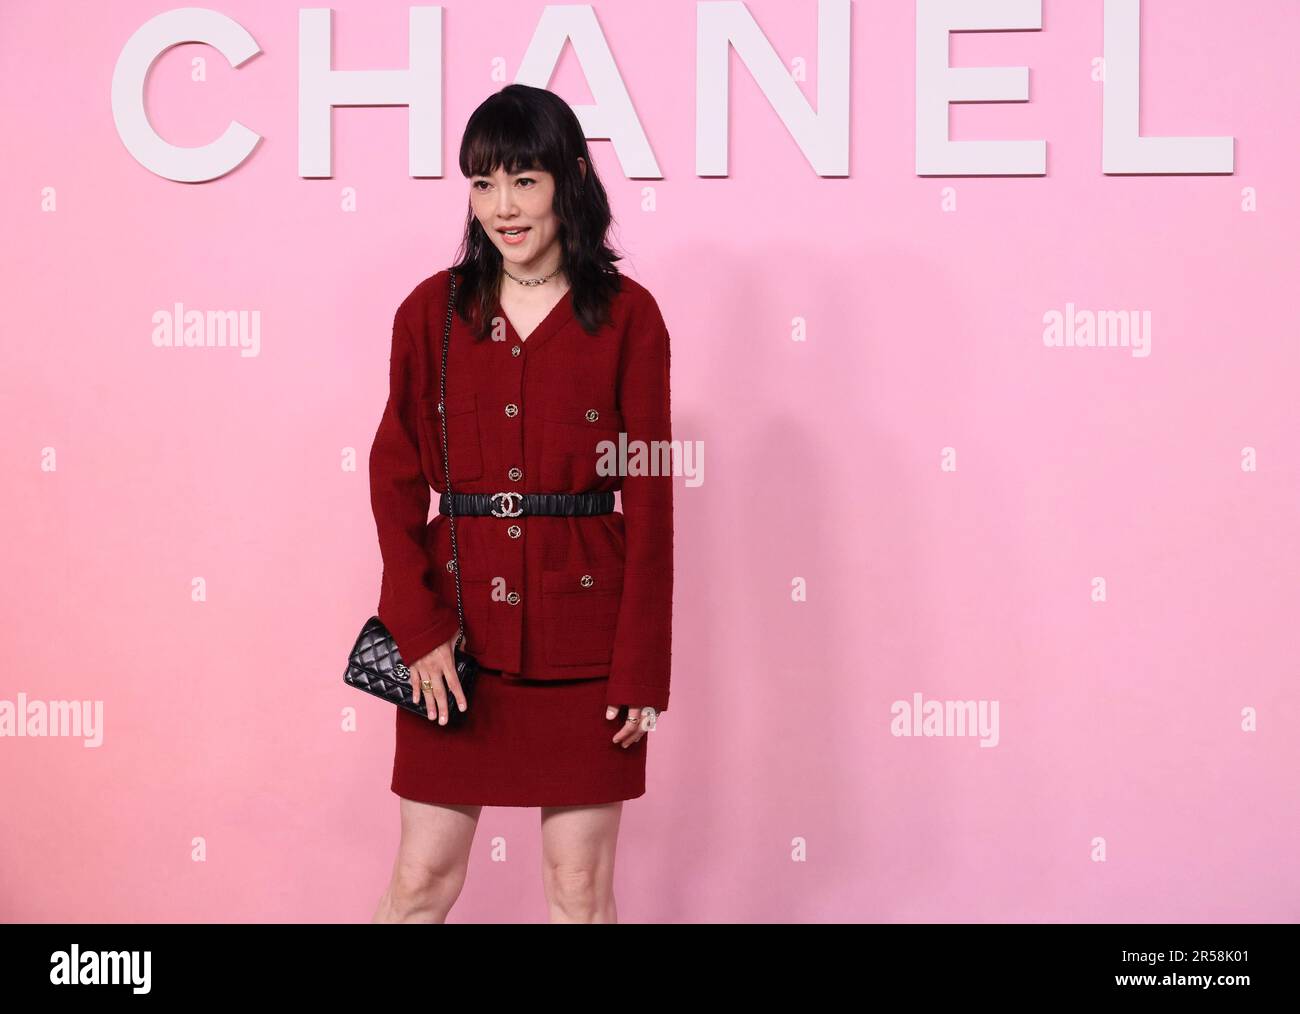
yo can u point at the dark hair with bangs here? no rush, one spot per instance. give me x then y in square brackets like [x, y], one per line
[521, 128]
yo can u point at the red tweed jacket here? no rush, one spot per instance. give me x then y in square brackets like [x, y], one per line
[545, 597]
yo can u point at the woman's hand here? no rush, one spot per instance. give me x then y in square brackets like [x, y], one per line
[439, 668]
[639, 722]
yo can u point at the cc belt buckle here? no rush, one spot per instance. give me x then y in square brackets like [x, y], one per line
[513, 505]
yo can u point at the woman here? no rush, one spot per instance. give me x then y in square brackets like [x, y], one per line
[556, 359]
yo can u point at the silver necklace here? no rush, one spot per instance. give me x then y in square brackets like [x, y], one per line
[534, 281]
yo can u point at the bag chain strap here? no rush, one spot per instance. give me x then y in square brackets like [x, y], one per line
[446, 462]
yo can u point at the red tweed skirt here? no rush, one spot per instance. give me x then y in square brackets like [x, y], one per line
[524, 743]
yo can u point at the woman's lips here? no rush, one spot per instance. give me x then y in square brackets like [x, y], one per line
[516, 239]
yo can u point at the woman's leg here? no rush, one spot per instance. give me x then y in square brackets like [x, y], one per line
[578, 844]
[432, 858]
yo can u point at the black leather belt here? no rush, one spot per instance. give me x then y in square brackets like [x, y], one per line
[513, 505]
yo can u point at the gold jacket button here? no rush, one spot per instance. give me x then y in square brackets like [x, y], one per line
[513, 598]
[592, 415]
[516, 474]
[451, 566]
[586, 581]
[514, 351]
[512, 410]
[514, 531]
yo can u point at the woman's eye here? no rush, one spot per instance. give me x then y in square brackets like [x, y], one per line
[526, 180]
[480, 184]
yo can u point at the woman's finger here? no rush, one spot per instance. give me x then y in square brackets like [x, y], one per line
[430, 698]
[629, 727]
[440, 695]
[453, 684]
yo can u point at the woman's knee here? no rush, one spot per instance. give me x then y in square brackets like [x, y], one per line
[578, 889]
[422, 886]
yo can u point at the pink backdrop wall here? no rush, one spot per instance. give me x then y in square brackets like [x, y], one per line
[1126, 782]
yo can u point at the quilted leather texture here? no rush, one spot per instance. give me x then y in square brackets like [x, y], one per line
[376, 667]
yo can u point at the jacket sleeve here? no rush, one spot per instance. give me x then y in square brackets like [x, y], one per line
[641, 666]
[399, 497]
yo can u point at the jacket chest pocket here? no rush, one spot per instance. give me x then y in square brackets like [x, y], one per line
[464, 444]
[579, 447]
[580, 614]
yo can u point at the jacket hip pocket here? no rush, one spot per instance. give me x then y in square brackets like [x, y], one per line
[580, 614]
[476, 586]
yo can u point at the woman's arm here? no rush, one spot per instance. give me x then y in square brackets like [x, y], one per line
[399, 497]
[641, 666]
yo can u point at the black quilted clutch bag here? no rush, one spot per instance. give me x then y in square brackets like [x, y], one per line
[375, 665]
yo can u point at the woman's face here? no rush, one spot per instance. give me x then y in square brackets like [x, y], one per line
[516, 212]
